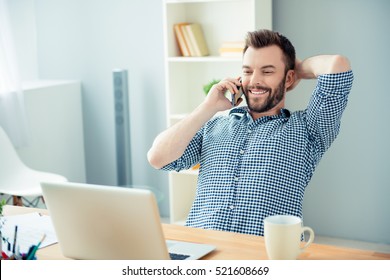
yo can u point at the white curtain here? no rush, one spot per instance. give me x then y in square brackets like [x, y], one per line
[12, 113]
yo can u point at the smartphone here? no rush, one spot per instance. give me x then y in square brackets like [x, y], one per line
[235, 97]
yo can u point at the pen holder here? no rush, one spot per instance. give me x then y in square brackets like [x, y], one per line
[16, 258]
[30, 255]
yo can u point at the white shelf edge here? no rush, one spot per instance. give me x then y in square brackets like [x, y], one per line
[195, 1]
[204, 59]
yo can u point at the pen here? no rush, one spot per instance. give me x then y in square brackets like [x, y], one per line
[31, 255]
[28, 253]
[18, 255]
[15, 236]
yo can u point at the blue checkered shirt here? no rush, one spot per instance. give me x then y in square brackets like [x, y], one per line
[253, 169]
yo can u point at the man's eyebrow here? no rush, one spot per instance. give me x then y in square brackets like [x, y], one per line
[268, 66]
[262, 67]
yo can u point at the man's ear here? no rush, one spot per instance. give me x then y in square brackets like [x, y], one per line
[291, 80]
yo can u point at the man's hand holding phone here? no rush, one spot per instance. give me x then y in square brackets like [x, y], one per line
[217, 98]
[236, 97]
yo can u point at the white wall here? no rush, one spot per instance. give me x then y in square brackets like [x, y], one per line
[86, 40]
[349, 195]
[22, 21]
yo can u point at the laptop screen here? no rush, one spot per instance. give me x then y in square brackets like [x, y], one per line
[105, 222]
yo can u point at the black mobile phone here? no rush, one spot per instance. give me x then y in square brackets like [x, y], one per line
[235, 97]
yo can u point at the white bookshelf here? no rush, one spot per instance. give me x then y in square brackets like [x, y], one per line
[221, 21]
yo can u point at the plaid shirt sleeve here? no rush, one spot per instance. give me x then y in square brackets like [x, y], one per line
[190, 156]
[326, 107]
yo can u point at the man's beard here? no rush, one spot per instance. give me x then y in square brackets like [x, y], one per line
[274, 97]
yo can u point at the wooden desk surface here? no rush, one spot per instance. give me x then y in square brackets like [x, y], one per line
[230, 246]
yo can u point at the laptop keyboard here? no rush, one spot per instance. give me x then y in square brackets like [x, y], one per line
[178, 257]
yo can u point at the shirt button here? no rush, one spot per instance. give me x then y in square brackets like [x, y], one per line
[231, 207]
[242, 152]
[249, 130]
[236, 178]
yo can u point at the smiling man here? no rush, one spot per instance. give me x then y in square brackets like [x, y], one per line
[258, 160]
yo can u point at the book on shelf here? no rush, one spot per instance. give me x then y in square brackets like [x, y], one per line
[181, 41]
[232, 49]
[197, 40]
[190, 39]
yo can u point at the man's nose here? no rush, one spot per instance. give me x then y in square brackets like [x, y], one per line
[256, 78]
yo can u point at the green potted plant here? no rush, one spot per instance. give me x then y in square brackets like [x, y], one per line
[206, 88]
[2, 203]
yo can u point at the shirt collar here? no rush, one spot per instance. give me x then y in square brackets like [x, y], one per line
[284, 113]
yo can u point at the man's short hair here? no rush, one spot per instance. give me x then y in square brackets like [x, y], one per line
[264, 38]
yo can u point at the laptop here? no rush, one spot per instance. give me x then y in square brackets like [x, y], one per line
[95, 222]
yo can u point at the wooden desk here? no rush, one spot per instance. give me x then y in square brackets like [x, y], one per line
[230, 246]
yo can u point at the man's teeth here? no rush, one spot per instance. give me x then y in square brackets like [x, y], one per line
[259, 92]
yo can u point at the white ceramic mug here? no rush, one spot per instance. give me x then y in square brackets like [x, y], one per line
[282, 235]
